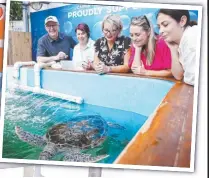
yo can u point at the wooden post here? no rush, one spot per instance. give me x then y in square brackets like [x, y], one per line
[19, 47]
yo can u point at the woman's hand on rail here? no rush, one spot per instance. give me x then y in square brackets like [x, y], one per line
[140, 70]
[101, 68]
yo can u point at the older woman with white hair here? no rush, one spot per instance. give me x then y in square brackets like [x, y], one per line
[112, 50]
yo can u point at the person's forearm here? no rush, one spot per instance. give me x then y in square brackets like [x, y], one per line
[176, 67]
[119, 69]
[160, 73]
[42, 59]
[137, 58]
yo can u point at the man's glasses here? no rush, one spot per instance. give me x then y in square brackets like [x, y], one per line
[140, 18]
[51, 26]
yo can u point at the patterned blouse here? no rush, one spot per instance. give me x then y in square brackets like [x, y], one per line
[115, 56]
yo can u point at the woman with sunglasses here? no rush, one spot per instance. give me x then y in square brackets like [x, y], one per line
[181, 36]
[111, 51]
[150, 55]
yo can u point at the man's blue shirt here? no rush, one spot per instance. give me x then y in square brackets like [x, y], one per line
[49, 47]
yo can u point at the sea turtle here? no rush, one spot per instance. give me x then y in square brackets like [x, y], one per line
[70, 138]
[81, 132]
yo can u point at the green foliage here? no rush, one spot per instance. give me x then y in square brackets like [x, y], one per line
[15, 10]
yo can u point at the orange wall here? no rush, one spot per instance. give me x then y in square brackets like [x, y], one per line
[2, 23]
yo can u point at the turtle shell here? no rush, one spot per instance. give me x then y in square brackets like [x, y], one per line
[82, 131]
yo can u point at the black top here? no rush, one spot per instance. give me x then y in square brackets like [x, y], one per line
[115, 56]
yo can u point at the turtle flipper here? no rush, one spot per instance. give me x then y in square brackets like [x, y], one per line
[115, 126]
[30, 138]
[49, 151]
[81, 157]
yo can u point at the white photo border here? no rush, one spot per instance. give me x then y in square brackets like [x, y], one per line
[126, 4]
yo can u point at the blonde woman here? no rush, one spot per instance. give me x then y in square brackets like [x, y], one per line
[112, 50]
[150, 55]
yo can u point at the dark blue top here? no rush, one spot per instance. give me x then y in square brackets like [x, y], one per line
[49, 47]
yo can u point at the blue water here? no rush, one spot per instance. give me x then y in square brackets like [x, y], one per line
[36, 113]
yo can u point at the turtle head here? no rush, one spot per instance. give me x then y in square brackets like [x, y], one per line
[98, 141]
[17, 130]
